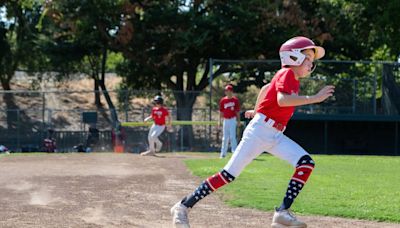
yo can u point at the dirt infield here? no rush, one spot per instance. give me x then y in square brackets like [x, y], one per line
[117, 190]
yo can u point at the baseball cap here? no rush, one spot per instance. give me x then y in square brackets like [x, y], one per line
[229, 87]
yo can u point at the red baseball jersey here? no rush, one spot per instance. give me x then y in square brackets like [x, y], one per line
[284, 81]
[159, 115]
[229, 106]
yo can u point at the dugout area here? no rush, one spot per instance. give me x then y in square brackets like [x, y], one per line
[346, 134]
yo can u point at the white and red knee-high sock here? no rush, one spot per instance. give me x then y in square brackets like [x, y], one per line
[209, 185]
[303, 171]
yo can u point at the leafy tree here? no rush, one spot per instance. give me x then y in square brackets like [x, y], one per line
[18, 48]
[17, 37]
[167, 44]
[73, 31]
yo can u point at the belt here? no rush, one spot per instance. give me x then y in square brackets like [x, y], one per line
[274, 124]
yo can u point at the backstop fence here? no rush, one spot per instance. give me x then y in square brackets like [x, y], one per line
[362, 89]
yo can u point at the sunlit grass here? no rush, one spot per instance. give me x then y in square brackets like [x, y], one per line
[364, 187]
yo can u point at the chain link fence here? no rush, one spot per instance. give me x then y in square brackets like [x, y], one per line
[362, 88]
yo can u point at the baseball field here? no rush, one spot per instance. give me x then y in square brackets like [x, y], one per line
[128, 190]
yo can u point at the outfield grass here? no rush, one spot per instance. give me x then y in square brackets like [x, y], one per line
[364, 187]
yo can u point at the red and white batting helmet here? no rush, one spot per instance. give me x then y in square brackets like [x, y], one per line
[229, 88]
[290, 51]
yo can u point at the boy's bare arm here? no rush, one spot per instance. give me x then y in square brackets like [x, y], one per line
[285, 100]
[147, 118]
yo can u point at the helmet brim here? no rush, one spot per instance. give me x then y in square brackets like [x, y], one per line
[319, 51]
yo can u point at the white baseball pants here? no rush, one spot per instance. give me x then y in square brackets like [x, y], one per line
[260, 136]
[228, 135]
[154, 143]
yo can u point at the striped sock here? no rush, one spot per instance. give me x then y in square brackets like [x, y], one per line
[211, 184]
[303, 170]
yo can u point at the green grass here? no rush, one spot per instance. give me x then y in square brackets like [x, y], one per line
[363, 187]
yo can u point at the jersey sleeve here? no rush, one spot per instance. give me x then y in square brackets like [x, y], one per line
[286, 82]
[166, 112]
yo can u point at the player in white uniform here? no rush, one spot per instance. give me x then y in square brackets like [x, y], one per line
[229, 108]
[274, 107]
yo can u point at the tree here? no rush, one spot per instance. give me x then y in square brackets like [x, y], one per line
[17, 37]
[168, 44]
[73, 28]
[18, 49]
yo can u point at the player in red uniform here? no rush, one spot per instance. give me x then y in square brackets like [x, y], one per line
[161, 117]
[274, 107]
[229, 108]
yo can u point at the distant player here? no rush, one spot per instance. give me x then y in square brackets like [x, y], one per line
[161, 118]
[49, 143]
[274, 107]
[229, 108]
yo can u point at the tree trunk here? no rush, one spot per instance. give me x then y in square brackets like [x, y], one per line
[11, 107]
[184, 103]
[114, 116]
[97, 98]
[5, 83]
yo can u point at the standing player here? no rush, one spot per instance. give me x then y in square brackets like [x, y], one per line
[274, 107]
[161, 117]
[49, 143]
[229, 108]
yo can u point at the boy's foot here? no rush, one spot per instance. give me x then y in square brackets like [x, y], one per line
[180, 216]
[286, 218]
[148, 153]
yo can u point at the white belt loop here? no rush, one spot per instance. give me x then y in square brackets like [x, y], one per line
[270, 122]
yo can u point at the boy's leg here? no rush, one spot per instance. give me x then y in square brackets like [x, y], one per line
[209, 185]
[158, 144]
[154, 143]
[232, 134]
[250, 147]
[150, 137]
[290, 151]
[225, 138]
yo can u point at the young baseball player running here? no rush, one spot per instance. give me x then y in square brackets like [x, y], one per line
[161, 117]
[274, 107]
[229, 108]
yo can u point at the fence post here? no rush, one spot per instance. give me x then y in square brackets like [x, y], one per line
[126, 105]
[374, 92]
[211, 63]
[181, 138]
[396, 138]
[354, 95]
[18, 130]
[326, 136]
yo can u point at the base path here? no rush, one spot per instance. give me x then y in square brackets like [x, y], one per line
[117, 190]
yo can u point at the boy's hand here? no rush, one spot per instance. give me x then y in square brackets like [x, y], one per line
[324, 93]
[249, 114]
[147, 119]
[169, 128]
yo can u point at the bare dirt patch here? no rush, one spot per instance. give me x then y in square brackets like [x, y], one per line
[117, 190]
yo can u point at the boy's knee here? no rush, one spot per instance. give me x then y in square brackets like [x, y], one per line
[306, 160]
[304, 169]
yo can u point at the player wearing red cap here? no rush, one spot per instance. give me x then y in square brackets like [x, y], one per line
[229, 108]
[274, 107]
